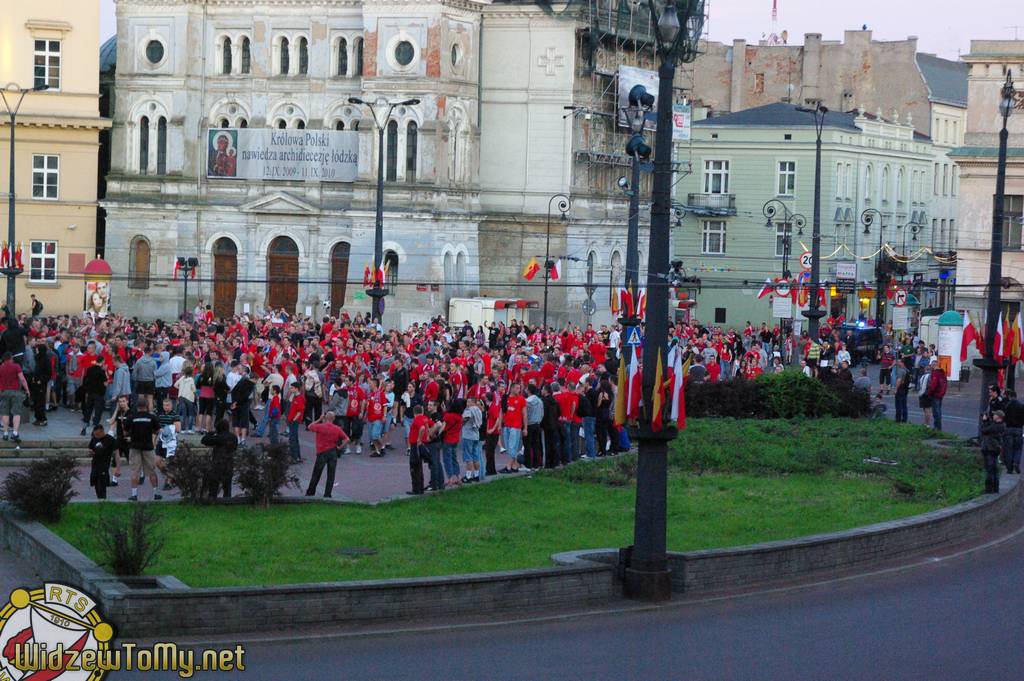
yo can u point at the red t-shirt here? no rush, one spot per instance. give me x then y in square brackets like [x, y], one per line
[598, 351]
[514, 411]
[567, 402]
[493, 412]
[375, 407]
[327, 436]
[355, 402]
[9, 372]
[431, 391]
[419, 423]
[296, 408]
[452, 428]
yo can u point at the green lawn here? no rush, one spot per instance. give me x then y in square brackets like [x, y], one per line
[731, 483]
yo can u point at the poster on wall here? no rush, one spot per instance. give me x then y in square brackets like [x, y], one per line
[901, 318]
[275, 154]
[97, 298]
[681, 119]
[782, 307]
[630, 76]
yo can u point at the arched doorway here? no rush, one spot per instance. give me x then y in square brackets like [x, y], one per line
[225, 277]
[283, 274]
[339, 274]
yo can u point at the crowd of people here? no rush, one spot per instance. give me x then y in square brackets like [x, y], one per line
[467, 399]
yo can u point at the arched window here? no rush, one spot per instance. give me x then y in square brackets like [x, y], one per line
[138, 263]
[411, 135]
[355, 125]
[224, 123]
[392, 151]
[342, 68]
[242, 123]
[359, 56]
[246, 56]
[339, 125]
[899, 185]
[144, 145]
[613, 278]
[391, 270]
[161, 146]
[869, 183]
[282, 123]
[885, 184]
[303, 56]
[225, 60]
[460, 274]
[449, 275]
[300, 124]
[284, 59]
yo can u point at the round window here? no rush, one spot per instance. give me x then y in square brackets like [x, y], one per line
[404, 53]
[154, 51]
[456, 54]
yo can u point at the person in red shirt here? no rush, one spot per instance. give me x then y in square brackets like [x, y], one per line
[567, 403]
[328, 437]
[354, 416]
[296, 409]
[450, 435]
[420, 430]
[376, 408]
[513, 427]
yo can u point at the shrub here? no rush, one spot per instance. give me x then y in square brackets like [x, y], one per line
[261, 471]
[42, 489]
[791, 394]
[736, 399]
[786, 395]
[188, 470]
[129, 541]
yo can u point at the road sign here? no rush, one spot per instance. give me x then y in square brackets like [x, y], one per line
[782, 287]
[846, 271]
[633, 339]
[589, 307]
[806, 260]
[899, 298]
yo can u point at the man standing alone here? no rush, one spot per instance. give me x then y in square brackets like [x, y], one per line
[937, 390]
[328, 437]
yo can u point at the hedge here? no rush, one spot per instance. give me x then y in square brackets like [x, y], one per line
[786, 395]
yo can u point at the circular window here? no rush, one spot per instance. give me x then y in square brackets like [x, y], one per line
[456, 54]
[404, 53]
[155, 51]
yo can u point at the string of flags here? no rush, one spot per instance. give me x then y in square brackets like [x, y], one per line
[376, 278]
[177, 266]
[533, 267]
[11, 256]
[1008, 342]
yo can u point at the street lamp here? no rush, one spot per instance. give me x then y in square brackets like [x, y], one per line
[867, 218]
[564, 204]
[987, 362]
[187, 266]
[640, 102]
[379, 290]
[771, 209]
[813, 314]
[12, 271]
[645, 565]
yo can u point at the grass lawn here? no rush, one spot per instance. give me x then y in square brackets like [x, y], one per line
[731, 483]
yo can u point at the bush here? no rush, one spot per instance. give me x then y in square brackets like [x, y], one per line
[261, 471]
[42, 489]
[129, 541]
[786, 395]
[188, 470]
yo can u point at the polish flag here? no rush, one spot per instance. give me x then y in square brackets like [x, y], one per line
[766, 289]
[997, 345]
[641, 303]
[556, 270]
[635, 386]
[679, 389]
[970, 335]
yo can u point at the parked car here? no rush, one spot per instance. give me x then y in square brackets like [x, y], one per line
[863, 342]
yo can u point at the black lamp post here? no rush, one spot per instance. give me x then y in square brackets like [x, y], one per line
[12, 271]
[563, 205]
[814, 314]
[645, 570]
[186, 266]
[640, 102]
[987, 362]
[379, 290]
[771, 209]
[867, 218]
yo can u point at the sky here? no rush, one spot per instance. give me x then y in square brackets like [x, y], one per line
[943, 27]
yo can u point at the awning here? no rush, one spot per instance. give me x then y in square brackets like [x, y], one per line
[516, 303]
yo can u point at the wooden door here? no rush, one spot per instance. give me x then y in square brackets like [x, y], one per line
[339, 275]
[225, 277]
[283, 275]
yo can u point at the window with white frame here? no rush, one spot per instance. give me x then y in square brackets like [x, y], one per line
[42, 262]
[787, 178]
[839, 180]
[47, 64]
[45, 176]
[716, 177]
[782, 231]
[713, 237]
[849, 179]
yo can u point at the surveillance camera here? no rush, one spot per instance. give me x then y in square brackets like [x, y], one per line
[623, 182]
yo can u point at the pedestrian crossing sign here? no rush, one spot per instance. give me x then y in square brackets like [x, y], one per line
[633, 339]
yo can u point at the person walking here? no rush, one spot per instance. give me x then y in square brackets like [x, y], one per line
[991, 436]
[104, 450]
[328, 437]
[143, 427]
[13, 391]
[296, 413]
[937, 385]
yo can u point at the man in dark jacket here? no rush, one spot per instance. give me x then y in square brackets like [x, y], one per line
[549, 424]
[222, 443]
[992, 434]
[39, 381]
[1014, 441]
[94, 390]
[12, 340]
[241, 396]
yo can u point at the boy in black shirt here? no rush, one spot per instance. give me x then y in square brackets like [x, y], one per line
[104, 449]
[142, 429]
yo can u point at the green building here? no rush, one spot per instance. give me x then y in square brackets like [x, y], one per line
[752, 183]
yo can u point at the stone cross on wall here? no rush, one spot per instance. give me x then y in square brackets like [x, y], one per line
[549, 61]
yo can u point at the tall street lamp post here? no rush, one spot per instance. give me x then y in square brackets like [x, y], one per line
[645, 570]
[771, 210]
[814, 314]
[987, 362]
[563, 205]
[379, 290]
[640, 102]
[12, 271]
[868, 218]
[186, 266]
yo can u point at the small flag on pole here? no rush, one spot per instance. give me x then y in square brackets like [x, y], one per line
[531, 269]
[556, 270]
[658, 401]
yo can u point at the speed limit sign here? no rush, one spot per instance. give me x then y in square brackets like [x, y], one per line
[899, 298]
[806, 260]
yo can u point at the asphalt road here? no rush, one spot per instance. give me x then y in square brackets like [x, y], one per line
[955, 617]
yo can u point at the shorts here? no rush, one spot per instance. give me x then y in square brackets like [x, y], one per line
[206, 406]
[355, 429]
[471, 451]
[240, 416]
[142, 462]
[924, 402]
[376, 429]
[145, 387]
[885, 376]
[12, 402]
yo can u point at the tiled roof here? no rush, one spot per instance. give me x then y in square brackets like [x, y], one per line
[946, 80]
[778, 115]
[108, 55]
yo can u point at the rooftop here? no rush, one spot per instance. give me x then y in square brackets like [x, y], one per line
[946, 79]
[779, 115]
[108, 55]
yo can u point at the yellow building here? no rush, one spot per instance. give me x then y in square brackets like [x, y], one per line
[53, 43]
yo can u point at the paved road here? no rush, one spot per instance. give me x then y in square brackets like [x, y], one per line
[955, 618]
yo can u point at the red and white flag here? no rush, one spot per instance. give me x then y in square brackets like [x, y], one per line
[635, 386]
[997, 345]
[641, 303]
[767, 289]
[970, 335]
[679, 389]
[556, 270]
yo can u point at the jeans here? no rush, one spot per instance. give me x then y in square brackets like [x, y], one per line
[589, 443]
[273, 429]
[471, 453]
[1013, 443]
[566, 442]
[92, 407]
[513, 438]
[418, 456]
[262, 427]
[187, 413]
[991, 470]
[293, 440]
[937, 412]
[450, 452]
[534, 451]
[328, 458]
[901, 407]
[436, 470]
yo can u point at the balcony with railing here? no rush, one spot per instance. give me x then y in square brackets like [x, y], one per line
[711, 204]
